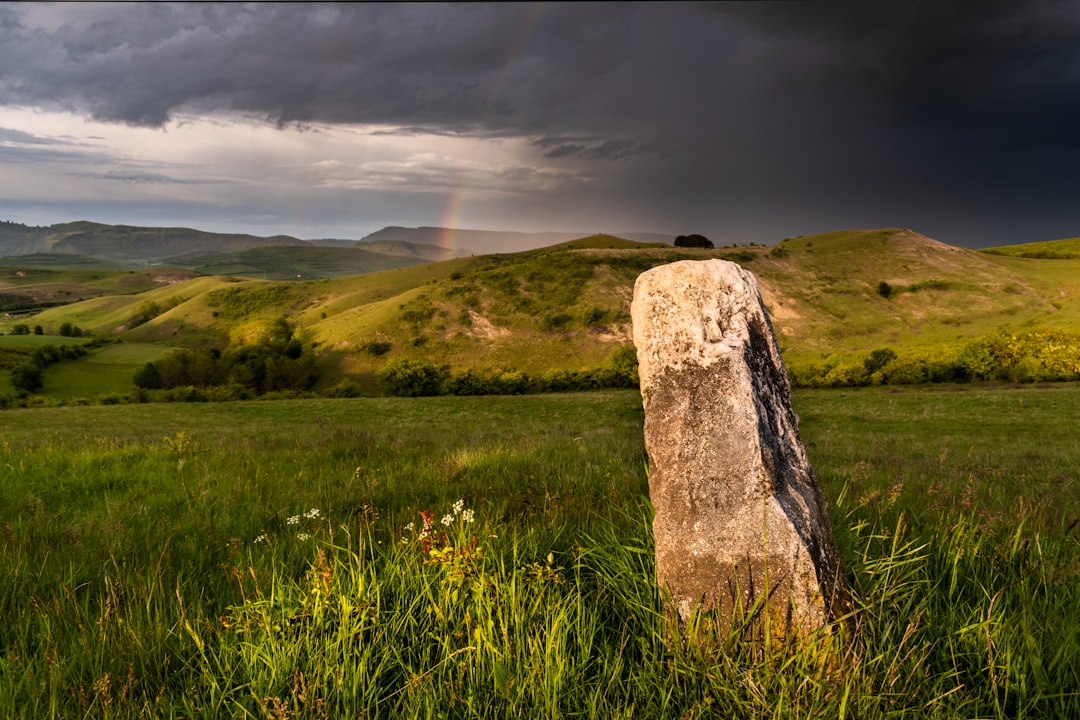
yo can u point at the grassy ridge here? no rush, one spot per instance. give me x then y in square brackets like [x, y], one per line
[169, 561]
[1066, 249]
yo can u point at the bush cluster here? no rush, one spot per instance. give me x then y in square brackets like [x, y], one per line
[1033, 356]
[280, 361]
[242, 302]
[417, 378]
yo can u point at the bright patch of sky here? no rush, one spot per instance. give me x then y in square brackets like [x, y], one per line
[301, 171]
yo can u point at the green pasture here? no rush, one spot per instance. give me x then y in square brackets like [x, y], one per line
[104, 370]
[266, 559]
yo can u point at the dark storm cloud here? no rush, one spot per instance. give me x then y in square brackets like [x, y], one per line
[467, 67]
[988, 68]
[830, 113]
[998, 73]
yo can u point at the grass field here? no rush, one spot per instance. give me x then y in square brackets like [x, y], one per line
[257, 559]
[104, 370]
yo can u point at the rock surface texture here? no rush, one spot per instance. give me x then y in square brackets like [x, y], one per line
[738, 512]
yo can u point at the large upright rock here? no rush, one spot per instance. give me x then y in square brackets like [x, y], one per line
[738, 512]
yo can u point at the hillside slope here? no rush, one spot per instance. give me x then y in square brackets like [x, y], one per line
[833, 295]
[824, 292]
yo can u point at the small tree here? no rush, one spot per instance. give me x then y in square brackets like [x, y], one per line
[38, 330]
[878, 359]
[412, 378]
[693, 241]
[148, 378]
[26, 378]
[884, 289]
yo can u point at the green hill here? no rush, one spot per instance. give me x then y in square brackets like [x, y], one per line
[823, 291]
[833, 299]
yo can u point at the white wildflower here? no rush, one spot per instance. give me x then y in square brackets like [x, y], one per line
[410, 527]
[293, 520]
[303, 536]
[260, 539]
[448, 520]
[312, 513]
[459, 506]
[468, 515]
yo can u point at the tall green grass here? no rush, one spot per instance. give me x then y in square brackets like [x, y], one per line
[271, 560]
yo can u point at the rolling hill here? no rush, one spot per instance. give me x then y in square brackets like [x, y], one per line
[833, 298]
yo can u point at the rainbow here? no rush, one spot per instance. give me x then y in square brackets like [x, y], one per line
[451, 217]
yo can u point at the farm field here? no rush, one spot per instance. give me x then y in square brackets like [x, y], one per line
[265, 559]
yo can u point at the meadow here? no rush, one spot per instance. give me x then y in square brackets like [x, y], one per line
[492, 557]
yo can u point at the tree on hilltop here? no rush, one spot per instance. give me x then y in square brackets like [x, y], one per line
[693, 241]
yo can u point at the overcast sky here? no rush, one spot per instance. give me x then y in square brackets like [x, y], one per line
[744, 122]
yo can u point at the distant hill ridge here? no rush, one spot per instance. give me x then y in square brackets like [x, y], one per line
[483, 242]
[140, 245]
[126, 242]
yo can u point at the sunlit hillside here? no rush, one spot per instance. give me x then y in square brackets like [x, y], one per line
[833, 297]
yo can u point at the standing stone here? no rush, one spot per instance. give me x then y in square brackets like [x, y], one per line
[738, 512]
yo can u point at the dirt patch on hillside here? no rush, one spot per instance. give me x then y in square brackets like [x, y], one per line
[482, 329]
[615, 333]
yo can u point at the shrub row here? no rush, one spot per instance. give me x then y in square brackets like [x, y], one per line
[66, 330]
[415, 378]
[1033, 356]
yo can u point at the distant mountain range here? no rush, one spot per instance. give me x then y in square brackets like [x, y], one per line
[128, 245]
